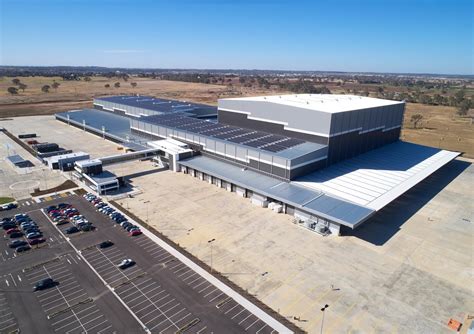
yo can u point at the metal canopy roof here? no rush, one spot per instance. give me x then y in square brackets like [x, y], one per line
[376, 178]
[309, 200]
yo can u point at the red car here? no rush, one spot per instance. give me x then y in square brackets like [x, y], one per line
[37, 241]
[135, 233]
[12, 230]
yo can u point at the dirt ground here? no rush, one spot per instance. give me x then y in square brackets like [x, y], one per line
[440, 127]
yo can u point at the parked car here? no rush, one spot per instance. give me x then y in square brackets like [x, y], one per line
[17, 243]
[134, 233]
[44, 284]
[106, 244]
[12, 230]
[31, 231]
[131, 227]
[71, 230]
[126, 264]
[8, 206]
[64, 205]
[37, 241]
[34, 235]
[126, 224]
[62, 222]
[16, 235]
[9, 226]
[22, 249]
[26, 224]
[50, 208]
[87, 227]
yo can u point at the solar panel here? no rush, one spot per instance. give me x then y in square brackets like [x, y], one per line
[274, 148]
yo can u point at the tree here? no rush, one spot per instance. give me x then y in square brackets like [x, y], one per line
[22, 86]
[117, 85]
[16, 81]
[45, 88]
[133, 84]
[55, 85]
[12, 90]
[107, 86]
[464, 107]
[87, 79]
[415, 119]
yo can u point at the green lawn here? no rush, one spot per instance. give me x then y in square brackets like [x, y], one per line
[4, 200]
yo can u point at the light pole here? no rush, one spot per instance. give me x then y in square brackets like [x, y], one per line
[322, 321]
[210, 242]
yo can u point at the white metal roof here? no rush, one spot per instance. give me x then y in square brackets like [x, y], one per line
[56, 158]
[376, 178]
[330, 103]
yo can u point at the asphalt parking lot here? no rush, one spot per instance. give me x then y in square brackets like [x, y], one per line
[159, 294]
[164, 293]
[79, 303]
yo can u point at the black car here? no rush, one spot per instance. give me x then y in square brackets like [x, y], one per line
[106, 244]
[8, 226]
[50, 208]
[7, 207]
[127, 224]
[63, 205]
[32, 230]
[87, 227]
[17, 243]
[128, 228]
[44, 284]
[71, 230]
[16, 235]
[22, 249]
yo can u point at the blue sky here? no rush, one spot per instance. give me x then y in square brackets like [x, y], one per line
[417, 36]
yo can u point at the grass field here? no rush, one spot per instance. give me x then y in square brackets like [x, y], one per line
[4, 200]
[440, 127]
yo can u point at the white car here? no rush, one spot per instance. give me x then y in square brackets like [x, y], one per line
[126, 263]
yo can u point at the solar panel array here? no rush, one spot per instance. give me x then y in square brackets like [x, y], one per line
[157, 104]
[257, 139]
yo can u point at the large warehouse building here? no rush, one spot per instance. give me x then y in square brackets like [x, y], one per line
[329, 160]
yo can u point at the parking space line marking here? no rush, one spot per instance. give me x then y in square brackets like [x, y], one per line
[143, 308]
[59, 321]
[187, 315]
[13, 279]
[205, 281]
[193, 274]
[177, 271]
[102, 329]
[243, 309]
[185, 272]
[163, 259]
[99, 324]
[176, 265]
[216, 289]
[201, 330]
[253, 323]
[195, 280]
[245, 318]
[231, 308]
[207, 287]
[265, 325]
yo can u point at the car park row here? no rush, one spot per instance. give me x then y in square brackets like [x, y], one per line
[23, 232]
[115, 216]
[64, 213]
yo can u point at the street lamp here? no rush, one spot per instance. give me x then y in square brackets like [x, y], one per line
[210, 242]
[322, 321]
